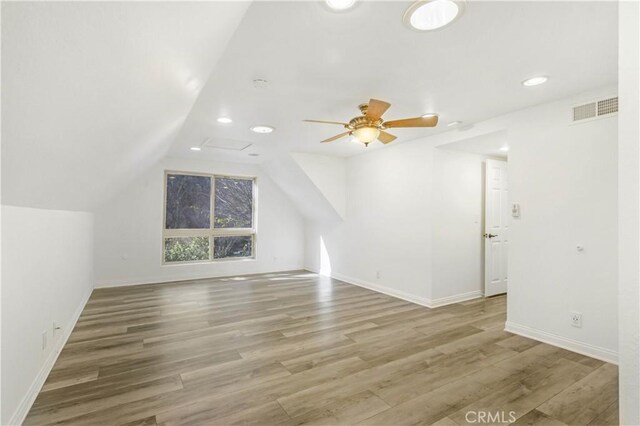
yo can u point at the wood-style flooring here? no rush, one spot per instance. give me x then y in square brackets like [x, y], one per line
[294, 348]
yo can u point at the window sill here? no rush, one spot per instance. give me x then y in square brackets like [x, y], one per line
[209, 262]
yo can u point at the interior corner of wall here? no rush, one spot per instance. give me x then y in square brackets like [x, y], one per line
[328, 176]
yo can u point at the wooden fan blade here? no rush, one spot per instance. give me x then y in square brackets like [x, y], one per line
[385, 137]
[326, 122]
[335, 137]
[376, 108]
[412, 122]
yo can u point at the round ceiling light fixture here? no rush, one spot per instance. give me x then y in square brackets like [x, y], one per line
[224, 120]
[195, 148]
[429, 15]
[535, 81]
[504, 149]
[340, 4]
[261, 129]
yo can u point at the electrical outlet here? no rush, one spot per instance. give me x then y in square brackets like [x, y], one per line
[576, 319]
[44, 340]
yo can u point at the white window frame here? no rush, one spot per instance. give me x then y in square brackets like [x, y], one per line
[212, 232]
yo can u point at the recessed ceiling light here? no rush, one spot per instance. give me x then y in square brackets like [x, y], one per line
[429, 115]
[261, 129]
[195, 148]
[428, 15]
[224, 120]
[504, 149]
[340, 4]
[454, 123]
[534, 81]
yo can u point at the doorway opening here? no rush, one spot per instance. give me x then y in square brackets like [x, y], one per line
[486, 157]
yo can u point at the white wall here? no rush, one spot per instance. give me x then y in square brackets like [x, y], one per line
[458, 194]
[128, 230]
[329, 175]
[565, 179]
[401, 201]
[387, 226]
[47, 276]
[629, 229]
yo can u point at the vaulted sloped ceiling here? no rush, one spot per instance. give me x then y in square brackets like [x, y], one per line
[320, 64]
[94, 92]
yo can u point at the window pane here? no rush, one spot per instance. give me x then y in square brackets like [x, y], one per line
[234, 203]
[188, 202]
[186, 249]
[224, 247]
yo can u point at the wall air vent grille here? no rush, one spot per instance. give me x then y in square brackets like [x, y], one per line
[608, 106]
[596, 109]
[583, 112]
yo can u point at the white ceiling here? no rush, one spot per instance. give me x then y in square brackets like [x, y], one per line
[95, 92]
[488, 144]
[322, 64]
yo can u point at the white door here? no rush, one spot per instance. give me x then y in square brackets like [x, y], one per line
[496, 228]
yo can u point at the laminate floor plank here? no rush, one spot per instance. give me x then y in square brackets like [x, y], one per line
[608, 417]
[294, 348]
[583, 401]
[535, 417]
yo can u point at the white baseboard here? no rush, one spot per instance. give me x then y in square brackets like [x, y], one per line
[456, 298]
[27, 401]
[592, 351]
[423, 301]
[384, 290]
[165, 279]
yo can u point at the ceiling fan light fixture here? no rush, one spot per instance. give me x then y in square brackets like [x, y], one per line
[429, 15]
[366, 135]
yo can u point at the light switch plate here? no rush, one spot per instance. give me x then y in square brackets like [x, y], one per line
[515, 210]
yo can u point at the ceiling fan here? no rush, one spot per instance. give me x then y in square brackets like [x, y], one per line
[370, 126]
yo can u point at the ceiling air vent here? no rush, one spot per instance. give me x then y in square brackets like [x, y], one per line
[583, 112]
[226, 144]
[596, 109]
[608, 106]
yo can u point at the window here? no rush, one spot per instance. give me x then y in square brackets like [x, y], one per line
[208, 217]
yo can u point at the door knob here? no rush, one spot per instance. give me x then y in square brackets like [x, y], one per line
[489, 235]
